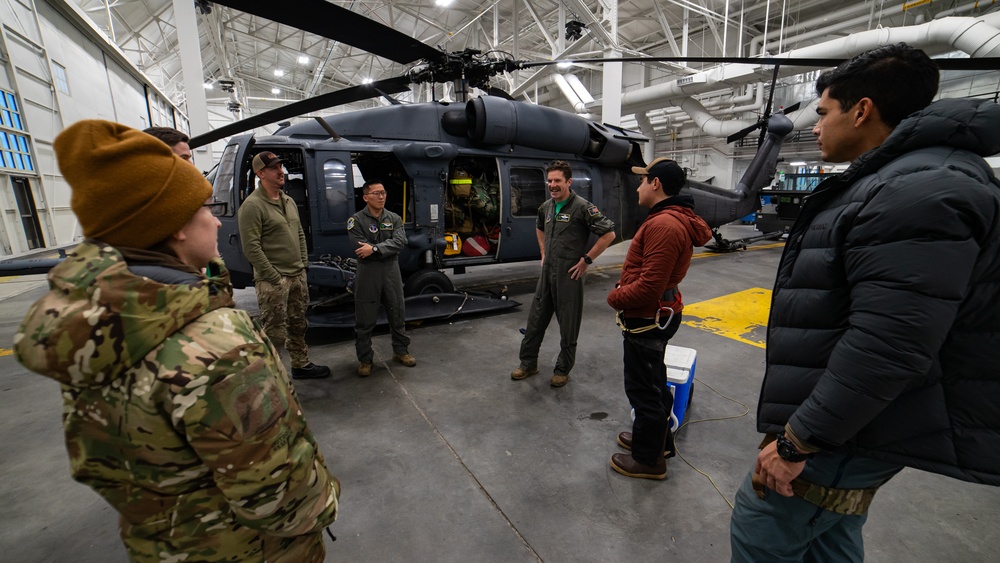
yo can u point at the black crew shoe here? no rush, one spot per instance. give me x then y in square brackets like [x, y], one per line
[310, 371]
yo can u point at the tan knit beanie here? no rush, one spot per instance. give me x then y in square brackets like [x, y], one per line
[129, 188]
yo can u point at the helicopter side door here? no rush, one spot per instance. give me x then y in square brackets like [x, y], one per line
[227, 188]
[524, 189]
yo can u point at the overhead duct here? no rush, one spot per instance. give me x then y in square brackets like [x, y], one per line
[978, 37]
[571, 95]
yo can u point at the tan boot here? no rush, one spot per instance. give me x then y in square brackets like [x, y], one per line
[521, 373]
[405, 359]
[558, 380]
[364, 369]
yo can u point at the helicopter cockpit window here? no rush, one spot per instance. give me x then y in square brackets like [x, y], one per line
[528, 190]
[386, 168]
[222, 189]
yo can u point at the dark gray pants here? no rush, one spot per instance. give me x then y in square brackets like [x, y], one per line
[375, 284]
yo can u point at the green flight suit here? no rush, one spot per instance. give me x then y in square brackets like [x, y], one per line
[378, 281]
[566, 236]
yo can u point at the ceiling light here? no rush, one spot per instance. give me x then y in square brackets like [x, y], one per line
[275, 90]
[442, 3]
[303, 59]
[367, 81]
[209, 86]
[797, 163]
[278, 72]
[564, 65]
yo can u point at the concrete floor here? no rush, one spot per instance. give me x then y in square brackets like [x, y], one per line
[451, 461]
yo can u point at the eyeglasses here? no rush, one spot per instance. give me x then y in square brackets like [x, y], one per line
[377, 194]
[218, 208]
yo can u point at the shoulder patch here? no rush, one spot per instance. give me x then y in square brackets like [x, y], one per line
[593, 211]
[350, 223]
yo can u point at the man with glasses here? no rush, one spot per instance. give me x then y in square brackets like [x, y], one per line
[379, 236]
[275, 244]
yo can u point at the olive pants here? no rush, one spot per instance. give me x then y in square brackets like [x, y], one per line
[555, 294]
[378, 283]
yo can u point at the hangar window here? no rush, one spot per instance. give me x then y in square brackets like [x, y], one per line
[59, 74]
[15, 149]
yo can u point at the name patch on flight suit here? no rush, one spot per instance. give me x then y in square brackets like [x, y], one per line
[385, 226]
[350, 223]
[562, 218]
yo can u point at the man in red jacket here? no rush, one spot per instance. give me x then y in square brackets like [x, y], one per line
[649, 306]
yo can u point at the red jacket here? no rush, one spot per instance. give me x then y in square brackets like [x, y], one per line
[658, 257]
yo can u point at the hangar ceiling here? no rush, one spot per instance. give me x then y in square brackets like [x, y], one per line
[273, 64]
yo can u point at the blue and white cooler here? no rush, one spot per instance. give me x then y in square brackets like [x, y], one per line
[680, 364]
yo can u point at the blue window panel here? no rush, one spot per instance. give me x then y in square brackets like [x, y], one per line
[17, 121]
[28, 164]
[12, 141]
[5, 117]
[18, 163]
[3, 141]
[11, 102]
[8, 160]
[3, 100]
[22, 142]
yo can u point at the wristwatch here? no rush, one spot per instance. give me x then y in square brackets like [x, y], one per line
[588, 260]
[789, 451]
[374, 249]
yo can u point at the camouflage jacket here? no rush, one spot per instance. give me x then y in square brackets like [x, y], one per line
[179, 413]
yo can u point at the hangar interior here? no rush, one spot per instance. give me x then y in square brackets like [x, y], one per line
[198, 65]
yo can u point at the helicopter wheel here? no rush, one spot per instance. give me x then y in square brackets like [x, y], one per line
[428, 281]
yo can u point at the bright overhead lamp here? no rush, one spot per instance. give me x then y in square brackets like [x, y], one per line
[278, 72]
[442, 3]
[209, 86]
[564, 65]
[797, 163]
[303, 59]
[367, 81]
[275, 90]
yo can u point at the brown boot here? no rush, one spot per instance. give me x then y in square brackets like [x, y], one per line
[625, 441]
[629, 467]
[364, 369]
[558, 380]
[521, 372]
[405, 359]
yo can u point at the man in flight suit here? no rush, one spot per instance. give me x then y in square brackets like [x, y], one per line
[563, 227]
[379, 236]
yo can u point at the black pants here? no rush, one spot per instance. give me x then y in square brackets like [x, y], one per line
[646, 389]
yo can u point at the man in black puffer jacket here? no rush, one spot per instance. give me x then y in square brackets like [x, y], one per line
[883, 346]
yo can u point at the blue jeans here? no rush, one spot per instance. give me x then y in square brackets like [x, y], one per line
[785, 529]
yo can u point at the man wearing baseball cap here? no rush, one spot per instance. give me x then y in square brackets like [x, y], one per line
[177, 409]
[649, 312]
[275, 244]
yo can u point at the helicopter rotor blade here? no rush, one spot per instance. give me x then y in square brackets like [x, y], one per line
[981, 63]
[791, 109]
[762, 122]
[340, 24]
[323, 101]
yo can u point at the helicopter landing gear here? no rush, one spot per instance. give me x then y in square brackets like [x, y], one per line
[726, 245]
[428, 281]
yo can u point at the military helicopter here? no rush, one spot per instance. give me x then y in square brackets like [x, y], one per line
[467, 178]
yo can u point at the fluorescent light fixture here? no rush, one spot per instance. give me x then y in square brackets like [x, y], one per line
[303, 59]
[564, 65]
[797, 163]
[278, 72]
[367, 81]
[442, 3]
[275, 90]
[209, 86]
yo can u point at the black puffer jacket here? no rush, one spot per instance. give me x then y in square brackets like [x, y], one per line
[884, 334]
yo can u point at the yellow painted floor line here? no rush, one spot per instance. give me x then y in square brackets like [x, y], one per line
[741, 316]
[6, 352]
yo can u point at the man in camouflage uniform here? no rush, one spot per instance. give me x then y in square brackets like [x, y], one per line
[563, 227]
[379, 236]
[177, 410]
[275, 244]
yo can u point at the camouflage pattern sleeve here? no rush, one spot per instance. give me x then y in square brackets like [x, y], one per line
[244, 421]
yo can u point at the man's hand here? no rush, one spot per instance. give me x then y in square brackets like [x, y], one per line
[577, 271]
[775, 472]
[364, 250]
